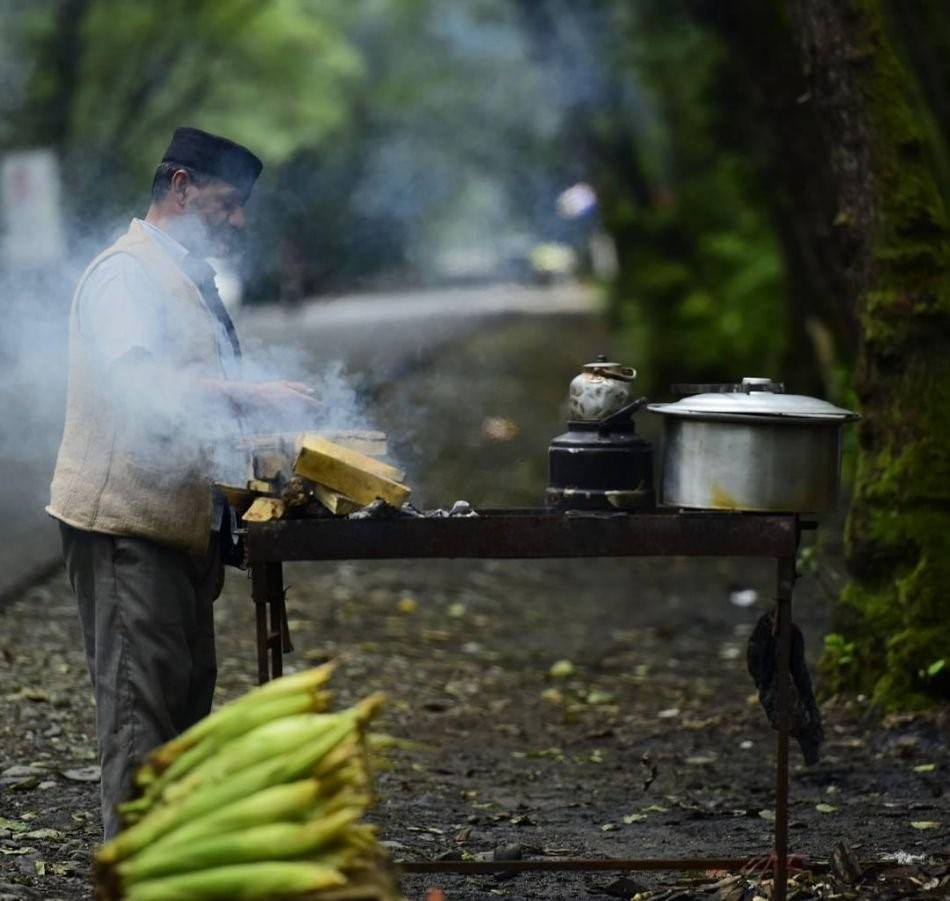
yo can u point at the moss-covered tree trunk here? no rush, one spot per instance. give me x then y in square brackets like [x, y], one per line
[892, 617]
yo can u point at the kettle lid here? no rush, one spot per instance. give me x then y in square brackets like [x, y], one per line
[618, 370]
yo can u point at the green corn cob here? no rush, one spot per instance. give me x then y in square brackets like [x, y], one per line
[273, 802]
[250, 749]
[288, 767]
[341, 755]
[241, 882]
[268, 806]
[306, 681]
[275, 841]
[155, 782]
[229, 728]
[362, 836]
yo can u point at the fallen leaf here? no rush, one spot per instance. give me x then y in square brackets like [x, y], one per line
[609, 827]
[47, 834]
[597, 697]
[825, 808]
[28, 694]
[33, 769]
[436, 635]
[925, 768]
[407, 605]
[925, 824]
[562, 669]
[701, 759]
[499, 428]
[634, 818]
[743, 597]
[83, 774]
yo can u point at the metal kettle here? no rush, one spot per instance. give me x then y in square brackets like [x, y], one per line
[601, 463]
[602, 389]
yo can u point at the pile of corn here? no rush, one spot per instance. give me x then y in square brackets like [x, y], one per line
[260, 800]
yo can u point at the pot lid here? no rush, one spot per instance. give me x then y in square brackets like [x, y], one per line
[754, 397]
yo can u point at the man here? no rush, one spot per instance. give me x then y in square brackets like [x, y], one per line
[153, 394]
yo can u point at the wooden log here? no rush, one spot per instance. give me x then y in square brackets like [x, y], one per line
[372, 444]
[261, 486]
[265, 509]
[354, 475]
[315, 443]
[364, 441]
[338, 504]
[270, 464]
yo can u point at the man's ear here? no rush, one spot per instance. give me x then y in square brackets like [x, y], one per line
[179, 186]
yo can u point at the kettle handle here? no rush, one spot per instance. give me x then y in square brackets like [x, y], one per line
[623, 413]
[624, 374]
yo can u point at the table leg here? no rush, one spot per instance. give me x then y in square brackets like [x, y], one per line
[267, 590]
[783, 627]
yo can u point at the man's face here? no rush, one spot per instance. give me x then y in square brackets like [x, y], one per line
[214, 218]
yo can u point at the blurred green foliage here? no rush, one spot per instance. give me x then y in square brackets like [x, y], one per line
[108, 81]
[703, 295]
[399, 132]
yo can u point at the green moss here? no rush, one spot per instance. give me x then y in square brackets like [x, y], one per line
[892, 614]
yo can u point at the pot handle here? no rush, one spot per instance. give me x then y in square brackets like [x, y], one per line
[608, 422]
[745, 387]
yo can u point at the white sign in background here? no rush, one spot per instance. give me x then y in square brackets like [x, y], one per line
[32, 215]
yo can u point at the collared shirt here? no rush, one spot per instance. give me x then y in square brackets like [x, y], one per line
[116, 314]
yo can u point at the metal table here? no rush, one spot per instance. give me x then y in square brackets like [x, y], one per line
[534, 534]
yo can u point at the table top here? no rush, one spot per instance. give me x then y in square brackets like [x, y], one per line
[524, 534]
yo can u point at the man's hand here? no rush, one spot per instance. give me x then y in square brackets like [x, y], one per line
[269, 406]
[279, 404]
[266, 395]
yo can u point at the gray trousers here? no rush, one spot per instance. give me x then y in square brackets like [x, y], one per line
[148, 626]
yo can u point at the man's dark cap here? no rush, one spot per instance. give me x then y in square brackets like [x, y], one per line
[215, 156]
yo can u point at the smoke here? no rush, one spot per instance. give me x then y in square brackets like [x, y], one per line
[469, 156]
[164, 411]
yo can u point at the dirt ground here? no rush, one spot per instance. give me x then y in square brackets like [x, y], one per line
[650, 743]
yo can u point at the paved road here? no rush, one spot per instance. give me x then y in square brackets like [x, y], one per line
[375, 336]
[354, 342]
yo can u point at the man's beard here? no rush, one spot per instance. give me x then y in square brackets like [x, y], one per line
[209, 239]
[224, 240]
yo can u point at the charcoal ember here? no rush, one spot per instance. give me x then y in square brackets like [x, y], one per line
[458, 509]
[297, 493]
[312, 510]
[378, 509]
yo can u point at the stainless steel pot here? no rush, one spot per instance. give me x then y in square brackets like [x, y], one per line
[751, 447]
